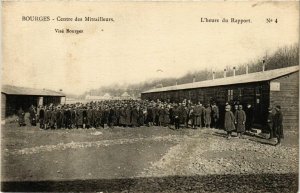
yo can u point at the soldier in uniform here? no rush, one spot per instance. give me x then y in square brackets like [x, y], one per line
[117, 114]
[105, 115]
[185, 116]
[161, 113]
[59, 118]
[111, 117]
[84, 117]
[128, 112]
[32, 115]
[207, 116]
[198, 111]
[181, 113]
[79, 117]
[192, 116]
[89, 117]
[142, 116]
[176, 117]
[215, 115]
[149, 119]
[98, 117]
[171, 114]
[134, 116]
[166, 119]
[240, 120]
[73, 117]
[42, 117]
[47, 117]
[122, 116]
[156, 115]
[270, 122]
[63, 118]
[53, 118]
[68, 117]
[278, 119]
[21, 117]
[229, 121]
[235, 107]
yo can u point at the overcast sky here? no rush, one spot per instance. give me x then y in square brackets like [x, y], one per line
[145, 37]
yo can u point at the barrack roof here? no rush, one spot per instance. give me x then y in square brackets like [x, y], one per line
[15, 90]
[239, 79]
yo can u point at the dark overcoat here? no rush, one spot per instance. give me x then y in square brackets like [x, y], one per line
[215, 112]
[229, 121]
[21, 116]
[128, 116]
[207, 115]
[161, 114]
[181, 112]
[42, 114]
[67, 117]
[73, 116]
[198, 110]
[278, 119]
[89, 117]
[240, 120]
[79, 117]
[53, 118]
[105, 114]
[122, 116]
[149, 114]
[98, 117]
[270, 123]
[59, 118]
[32, 113]
[166, 116]
[47, 116]
[112, 116]
[142, 117]
[134, 117]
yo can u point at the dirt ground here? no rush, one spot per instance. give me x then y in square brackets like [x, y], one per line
[145, 159]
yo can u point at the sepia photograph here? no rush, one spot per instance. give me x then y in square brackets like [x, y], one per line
[150, 96]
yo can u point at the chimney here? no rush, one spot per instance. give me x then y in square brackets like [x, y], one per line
[176, 83]
[194, 79]
[247, 69]
[234, 71]
[263, 65]
[213, 75]
[225, 73]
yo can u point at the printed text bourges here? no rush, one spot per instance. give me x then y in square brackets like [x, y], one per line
[67, 19]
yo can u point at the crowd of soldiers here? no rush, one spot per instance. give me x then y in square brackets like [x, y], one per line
[136, 113]
[237, 121]
[127, 113]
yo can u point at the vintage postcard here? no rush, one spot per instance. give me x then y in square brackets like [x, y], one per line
[150, 96]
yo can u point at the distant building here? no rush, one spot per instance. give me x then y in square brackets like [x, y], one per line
[261, 89]
[93, 97]
[125, 96]
[13, 97]
[106, 96]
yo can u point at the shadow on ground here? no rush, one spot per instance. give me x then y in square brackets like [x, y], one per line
[248, 136]
[211, 183]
